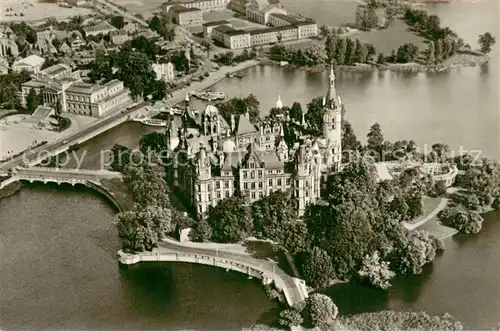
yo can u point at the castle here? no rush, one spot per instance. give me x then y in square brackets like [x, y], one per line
[224, 158]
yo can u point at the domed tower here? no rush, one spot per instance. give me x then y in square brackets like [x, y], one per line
[332, 124]
[211, 123]
[279, 103]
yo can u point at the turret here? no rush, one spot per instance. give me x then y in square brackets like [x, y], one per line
[233, 123]
[332, 124]
[203, 165]
[279, 103]
[302, 169]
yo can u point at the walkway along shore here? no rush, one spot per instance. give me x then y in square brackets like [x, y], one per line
[294, 289]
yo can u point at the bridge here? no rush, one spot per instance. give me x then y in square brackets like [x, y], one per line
[37, 155]
[107, 183]
[293, 289]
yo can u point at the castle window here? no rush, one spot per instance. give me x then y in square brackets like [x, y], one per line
[245, 175]
[270, 182]
[226, 184]
[226, 194]
[218, 194]
[307, 193]
[199, 197]
[279, 181]
[245, 186]
[252, 174]
[217, 184]
[288, 181]
[260, 185]
[333, 126]
[252, 185]
[209, 197]
[297, 193]
[253, 195]
[260, 173]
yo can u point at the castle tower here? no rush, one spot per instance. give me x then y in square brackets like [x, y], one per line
[279, 103]
[302, 182]
[203, 187]
[332, 124]
[282, 148]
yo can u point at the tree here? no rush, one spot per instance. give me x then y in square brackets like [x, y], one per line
[238, 106]
[294, 238]
[315, 55]
[153, 141]
[340, 51]
[208, 45]
[117, 21]
[290, 318]
[163, 27]
[322, 310]
[380, 58]
[438, 50]
[349, 51]
[32, 101]
[143, 230]
[420, 250]
[314, 116]
[157, 89]
[296, 112]
[202, 232]
[231, 220]
[147, 184]
[317, 267]
[135, 71]
[324, 31]
[330, 45]
[349, 140]
[361, 52]
[431, 59]
[407, 53]
[271, 213]
[375, 139]
[486, 40]
[377, 271]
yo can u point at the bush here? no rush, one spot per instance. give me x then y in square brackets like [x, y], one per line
[202, 232]
[322, 310]
[438, 189]
[465, 222]
[290, 318]
[206, 74]
[496, 204]
[472, 202]
[376, 271]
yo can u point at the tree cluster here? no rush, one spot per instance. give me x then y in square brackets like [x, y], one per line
[163, 27]
[143, 227]
[228, 58]
[486, 40]
[366, 17]
[238, 106]
[468, 222]
[10, 85]
[345, 51]
[311, 56]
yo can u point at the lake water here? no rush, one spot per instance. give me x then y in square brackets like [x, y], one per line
[58, 267]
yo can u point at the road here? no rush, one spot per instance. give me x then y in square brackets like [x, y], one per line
[127, 15]
[51, 148]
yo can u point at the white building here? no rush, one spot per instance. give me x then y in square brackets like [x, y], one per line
[164, 71]
[31, 64]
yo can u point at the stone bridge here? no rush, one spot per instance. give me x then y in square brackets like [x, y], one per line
[107, 183]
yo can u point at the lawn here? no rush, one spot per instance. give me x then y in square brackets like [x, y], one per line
[390, 39]
[429, 205]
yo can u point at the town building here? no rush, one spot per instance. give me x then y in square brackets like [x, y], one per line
[118, 37]
[62, 87]
[209, 26]
[77, 43]
[31, 64]
[8, 47]
[231, 156]
[204, 5]
[131, 27]
[231, 38]
[164, 71]
[102, 28]
[185, 16]
[260, 10]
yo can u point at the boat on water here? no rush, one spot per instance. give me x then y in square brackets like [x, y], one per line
[152, 122]
[209, 95]
[236, 75]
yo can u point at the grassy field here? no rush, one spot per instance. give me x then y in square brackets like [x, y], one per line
[390, 39]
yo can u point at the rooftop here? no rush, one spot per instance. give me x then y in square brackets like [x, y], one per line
[81, 87]
[245, 126]
[55, 69]
[182, 9]
[104, 25]
[215, 23]
[288, 18]
[32, 60]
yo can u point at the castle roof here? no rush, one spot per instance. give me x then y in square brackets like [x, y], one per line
[245, 126]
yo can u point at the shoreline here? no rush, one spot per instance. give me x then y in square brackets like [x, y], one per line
[393, 67]
[10, 189]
